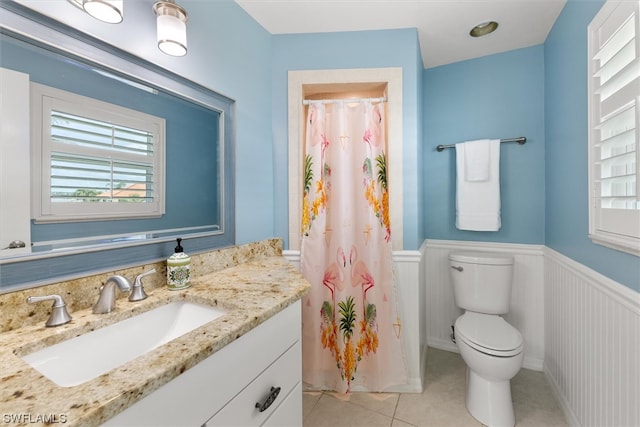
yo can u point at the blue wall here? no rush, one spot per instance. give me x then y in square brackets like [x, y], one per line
[235, 60]
[363, 49]
[566, 148]
[497, 96]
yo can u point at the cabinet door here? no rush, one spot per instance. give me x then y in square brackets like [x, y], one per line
[281, 377]
[289, 413]
[202, 391]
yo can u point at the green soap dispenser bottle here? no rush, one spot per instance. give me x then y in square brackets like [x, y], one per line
[178, 269]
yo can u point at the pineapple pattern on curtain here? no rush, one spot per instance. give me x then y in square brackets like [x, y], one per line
[350, 326]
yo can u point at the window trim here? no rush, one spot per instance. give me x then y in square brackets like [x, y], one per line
[45, 99]
[613, 239]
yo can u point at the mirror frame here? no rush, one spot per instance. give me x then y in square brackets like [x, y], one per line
[40, 268]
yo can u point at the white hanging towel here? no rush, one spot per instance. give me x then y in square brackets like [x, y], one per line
[477, 160]
[478, 185]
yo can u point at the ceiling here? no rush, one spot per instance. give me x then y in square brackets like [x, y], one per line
[443, 25]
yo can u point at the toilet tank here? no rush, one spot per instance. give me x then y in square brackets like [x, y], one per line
[482, 281]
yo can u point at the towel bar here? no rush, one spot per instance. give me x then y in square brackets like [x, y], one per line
[520, 140]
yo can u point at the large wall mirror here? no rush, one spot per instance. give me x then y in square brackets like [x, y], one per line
[199, 155]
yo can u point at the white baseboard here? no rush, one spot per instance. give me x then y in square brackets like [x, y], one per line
[562, 400]
[446, 345]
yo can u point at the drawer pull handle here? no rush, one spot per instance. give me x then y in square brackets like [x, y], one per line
[269, 400]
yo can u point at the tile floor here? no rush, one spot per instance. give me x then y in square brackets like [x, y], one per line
[441, 403]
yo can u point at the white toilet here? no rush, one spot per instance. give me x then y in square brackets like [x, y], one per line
[492, 349]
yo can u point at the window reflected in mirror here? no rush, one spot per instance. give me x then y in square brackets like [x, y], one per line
[87, 173]
[192, 189]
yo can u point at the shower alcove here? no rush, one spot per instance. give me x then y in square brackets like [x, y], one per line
[345, 84]
[350, 84]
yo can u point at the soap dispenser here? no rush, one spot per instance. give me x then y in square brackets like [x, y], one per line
[178, 269]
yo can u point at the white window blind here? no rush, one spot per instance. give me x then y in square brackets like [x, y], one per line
[79, 177]
[96, 160]
[614, 111]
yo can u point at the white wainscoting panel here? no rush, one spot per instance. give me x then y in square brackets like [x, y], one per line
[411, 299]
[293, 257]
[527, 294]
[592, 344]
[409, 273]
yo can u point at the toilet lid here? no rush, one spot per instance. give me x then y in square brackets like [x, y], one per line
[489, 334]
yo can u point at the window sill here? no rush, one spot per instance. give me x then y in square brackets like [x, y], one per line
[626, 244]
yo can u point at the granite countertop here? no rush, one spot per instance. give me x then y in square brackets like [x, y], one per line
[250, 293]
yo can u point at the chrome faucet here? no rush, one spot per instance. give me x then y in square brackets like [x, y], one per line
[138, 293]
[107, 300]
[59, 314]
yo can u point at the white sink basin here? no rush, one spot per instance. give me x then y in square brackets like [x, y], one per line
[88, 356]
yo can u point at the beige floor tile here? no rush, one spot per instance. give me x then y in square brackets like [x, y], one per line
[332, 412]
[534, 402]
[397, 423]
[434, 410]
[309, 401]
[441, 404]
[442, 401]
[441, 362]
[383, 403]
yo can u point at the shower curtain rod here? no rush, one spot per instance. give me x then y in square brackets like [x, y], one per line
[520, 140]
[332, 101]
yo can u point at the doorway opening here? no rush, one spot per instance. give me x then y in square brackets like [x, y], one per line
[344, 84]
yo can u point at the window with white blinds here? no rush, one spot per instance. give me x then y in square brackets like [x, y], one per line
[614, 117]
[94, 160]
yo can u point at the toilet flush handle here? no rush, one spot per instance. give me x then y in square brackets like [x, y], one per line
[457, 267]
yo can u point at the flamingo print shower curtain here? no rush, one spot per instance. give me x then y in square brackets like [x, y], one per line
[351, 331]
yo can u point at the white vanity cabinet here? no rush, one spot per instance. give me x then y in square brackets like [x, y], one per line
[223, 390]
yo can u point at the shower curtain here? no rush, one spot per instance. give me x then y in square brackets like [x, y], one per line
[351, 331]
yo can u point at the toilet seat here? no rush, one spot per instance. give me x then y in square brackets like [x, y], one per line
[489, 334]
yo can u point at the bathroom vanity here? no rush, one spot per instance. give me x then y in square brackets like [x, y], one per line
[253, 381]
[221, 373]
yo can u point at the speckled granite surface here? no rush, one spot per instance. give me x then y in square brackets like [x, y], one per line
[258, 284]
[82, 293]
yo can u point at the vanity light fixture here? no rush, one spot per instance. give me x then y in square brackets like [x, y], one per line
[483, 29]
[171, 27]
[110, 11]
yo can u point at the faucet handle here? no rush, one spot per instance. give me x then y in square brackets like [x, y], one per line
[59, 314]
[137, 292]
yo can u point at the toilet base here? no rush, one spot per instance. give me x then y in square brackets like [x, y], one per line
[489, 401]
